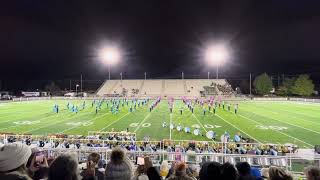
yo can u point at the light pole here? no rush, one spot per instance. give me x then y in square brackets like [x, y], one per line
[109, 71]
[77, 85]
[208, 75]
[109, 56]
[216, 55]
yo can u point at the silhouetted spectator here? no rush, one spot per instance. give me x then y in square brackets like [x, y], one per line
[64, 167]
[210, 170]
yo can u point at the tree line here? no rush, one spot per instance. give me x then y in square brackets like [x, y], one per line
[297, 86]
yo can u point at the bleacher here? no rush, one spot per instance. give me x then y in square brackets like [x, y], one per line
[164, 87]
[174, 88]
[152, 87]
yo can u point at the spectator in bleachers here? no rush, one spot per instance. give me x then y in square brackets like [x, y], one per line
[255, 172]
[37, 169]
[139, 174]
[192, 172]
[276, 173]
[151, 171]
[265, 173]
[312, 173]
[228, 172]
[92, 172]
[64, 167]
[244, 170]
[210, 170]
[119, 167]
[13, 159]
[180, 173]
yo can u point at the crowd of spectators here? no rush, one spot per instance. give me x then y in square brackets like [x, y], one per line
[19, 162]
[82, 142]
[225, 89]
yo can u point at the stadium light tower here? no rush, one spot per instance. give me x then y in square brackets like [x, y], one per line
[216, 55]
[77, 85]
[109, 56]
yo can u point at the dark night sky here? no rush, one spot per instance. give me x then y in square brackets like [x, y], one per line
[57, 39]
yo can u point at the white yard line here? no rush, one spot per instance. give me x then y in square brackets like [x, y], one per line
[200, 123]
[297, 112]
[291, 124]
[114, 122]
[84, 122]
[30, 121]
[278, 131]
[237, 128]
[55, 122]
[170, 135]
[145, 118]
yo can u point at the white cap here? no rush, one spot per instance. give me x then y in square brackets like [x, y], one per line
[13, 155]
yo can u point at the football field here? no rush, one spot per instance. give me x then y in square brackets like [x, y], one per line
[264, 121]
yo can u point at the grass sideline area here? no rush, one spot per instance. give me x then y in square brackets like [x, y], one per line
[265, 121]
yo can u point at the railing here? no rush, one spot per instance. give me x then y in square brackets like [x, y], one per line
[286, 99]
[289, 161]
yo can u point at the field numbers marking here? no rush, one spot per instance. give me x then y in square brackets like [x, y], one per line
[278, 128]
[143, 125]
[278, 131]
[26, 122]
[79, 123]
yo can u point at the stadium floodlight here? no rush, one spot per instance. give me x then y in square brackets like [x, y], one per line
[109, 56]
[77, 85]
[216, 55]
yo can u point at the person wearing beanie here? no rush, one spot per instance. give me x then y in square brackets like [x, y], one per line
[210, 170]
[64, 167]
[119, 167]
[180, 173]
[13, 159]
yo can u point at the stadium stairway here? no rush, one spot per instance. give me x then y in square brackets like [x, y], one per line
[140, 89]
[163, 87]
[113, 87]
[185, 87]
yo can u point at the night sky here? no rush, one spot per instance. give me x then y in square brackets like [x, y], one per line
[59, 39]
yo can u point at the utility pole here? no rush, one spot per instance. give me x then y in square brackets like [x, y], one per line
[250, 84]
[145, 75]
[182, 75]
[81, 82]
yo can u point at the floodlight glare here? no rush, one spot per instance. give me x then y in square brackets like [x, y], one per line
[216, 55]
[110, 55]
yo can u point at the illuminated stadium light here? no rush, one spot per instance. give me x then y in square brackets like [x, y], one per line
[216, 55]
[110, 56]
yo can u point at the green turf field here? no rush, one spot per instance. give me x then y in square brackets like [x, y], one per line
[266, 122]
